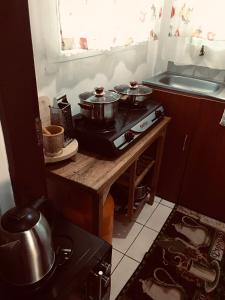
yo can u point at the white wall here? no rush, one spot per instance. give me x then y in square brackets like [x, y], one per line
[138, 63]
[6, 194]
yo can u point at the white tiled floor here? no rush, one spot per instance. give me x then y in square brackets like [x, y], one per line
[132, 240]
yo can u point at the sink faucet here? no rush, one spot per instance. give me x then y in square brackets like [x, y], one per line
[202, 51]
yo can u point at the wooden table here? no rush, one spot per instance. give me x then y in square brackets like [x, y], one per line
[95, 174]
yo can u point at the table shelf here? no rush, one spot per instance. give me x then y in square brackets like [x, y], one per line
[133, 176]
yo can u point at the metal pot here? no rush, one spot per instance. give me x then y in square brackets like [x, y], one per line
[99, 106]
[133, 92]
[26, 250]
[141, 192]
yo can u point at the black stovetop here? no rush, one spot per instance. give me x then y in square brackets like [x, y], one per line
[98, 138]
[126, 117]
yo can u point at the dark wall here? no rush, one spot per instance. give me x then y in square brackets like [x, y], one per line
[19, 113]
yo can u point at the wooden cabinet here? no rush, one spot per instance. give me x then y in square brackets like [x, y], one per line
[183, 111]
[203, 187]
[193, 165]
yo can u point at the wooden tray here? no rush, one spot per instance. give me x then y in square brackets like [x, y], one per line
[70, 150]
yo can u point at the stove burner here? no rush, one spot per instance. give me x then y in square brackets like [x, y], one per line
[105, 129]
[95, 127]
[64, 249]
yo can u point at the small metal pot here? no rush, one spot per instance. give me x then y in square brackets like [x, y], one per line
[133, 93]
[141, 192]
[99, 106]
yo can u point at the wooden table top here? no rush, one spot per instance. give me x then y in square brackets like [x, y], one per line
[96, 172]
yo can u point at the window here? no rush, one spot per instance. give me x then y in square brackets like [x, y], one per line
[107, 24]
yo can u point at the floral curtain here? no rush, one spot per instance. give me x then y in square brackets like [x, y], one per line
[195, 34]
[201, 19]
[105, 24]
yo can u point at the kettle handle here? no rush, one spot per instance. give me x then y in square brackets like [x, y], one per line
[38, 202]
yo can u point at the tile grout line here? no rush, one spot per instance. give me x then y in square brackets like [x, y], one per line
[168, 205]
[152, 229]
[142, 226]
[151, 214]
[148, 217]
[139, 232]
[133, 258]
[134, 240]
[125, 254]
[118, 264]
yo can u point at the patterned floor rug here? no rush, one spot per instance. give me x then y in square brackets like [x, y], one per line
[185, 261]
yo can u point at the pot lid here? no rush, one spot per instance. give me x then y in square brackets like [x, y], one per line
[100, 96]
[133, 89]
[20, 219]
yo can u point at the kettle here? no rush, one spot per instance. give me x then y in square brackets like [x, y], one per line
[26, 249]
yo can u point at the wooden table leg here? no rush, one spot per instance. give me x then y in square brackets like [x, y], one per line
[158, 159]
[132, 187]
[99, 200]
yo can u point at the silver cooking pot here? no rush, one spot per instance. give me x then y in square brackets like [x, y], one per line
[26, 250]
[99, 106]
[133, 93]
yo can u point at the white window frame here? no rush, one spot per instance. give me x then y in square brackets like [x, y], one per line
[52, 37]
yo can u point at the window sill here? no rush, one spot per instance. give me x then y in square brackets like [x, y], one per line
[70, 55]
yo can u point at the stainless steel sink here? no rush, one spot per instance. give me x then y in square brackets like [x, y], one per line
[188, 83]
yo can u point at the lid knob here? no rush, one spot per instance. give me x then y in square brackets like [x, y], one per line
[99, 91]
[133, 84]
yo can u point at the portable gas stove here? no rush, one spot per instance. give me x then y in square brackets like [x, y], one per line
[131, 122]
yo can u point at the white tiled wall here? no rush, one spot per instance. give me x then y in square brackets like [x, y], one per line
[132, 240]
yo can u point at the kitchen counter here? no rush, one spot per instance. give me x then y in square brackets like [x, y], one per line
[96, 174]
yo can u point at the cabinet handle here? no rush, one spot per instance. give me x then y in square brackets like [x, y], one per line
[222, 121]
[185, 142]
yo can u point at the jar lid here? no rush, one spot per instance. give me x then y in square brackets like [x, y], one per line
[100, 96]
[133, 89]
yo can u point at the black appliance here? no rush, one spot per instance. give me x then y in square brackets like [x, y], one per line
[131, 122]
[81, 271]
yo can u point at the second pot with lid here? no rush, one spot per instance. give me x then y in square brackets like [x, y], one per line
[99, 106]
[133, 90]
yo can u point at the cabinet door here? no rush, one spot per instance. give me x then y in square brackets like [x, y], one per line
[204, 180]
[183, 110]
